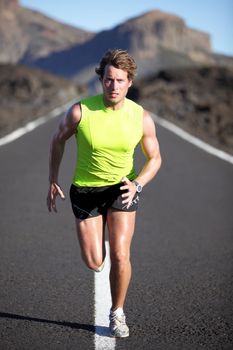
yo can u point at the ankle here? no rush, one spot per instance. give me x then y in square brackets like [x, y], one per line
[119, 311]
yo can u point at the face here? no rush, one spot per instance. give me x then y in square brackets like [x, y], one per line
[115, 84]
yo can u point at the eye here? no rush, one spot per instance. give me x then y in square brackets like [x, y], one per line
[108, 80]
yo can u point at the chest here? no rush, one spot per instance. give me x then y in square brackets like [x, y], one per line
[114, 132]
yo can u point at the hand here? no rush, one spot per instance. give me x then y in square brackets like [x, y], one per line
[130, 186]
[54, 190]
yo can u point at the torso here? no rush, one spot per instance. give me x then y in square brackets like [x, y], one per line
[106, 140]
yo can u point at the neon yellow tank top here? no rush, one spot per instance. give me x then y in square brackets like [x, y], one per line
[106, 141]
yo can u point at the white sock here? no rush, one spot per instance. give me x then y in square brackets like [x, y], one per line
[100, 268]
[118, 312]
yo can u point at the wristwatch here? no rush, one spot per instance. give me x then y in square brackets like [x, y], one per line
[138, 186]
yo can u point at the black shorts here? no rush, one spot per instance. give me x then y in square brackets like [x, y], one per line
[93, 201]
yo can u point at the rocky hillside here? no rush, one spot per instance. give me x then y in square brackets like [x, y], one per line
[199, 100]
[156, 39]
[26, 35]
[27, 94]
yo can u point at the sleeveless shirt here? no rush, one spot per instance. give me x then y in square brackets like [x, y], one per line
[106, 140]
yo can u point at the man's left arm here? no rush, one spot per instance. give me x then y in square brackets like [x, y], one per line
[150, 148]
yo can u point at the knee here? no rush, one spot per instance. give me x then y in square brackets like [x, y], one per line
[94, 264]
[120, 258]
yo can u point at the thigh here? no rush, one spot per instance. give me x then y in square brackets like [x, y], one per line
[91, 237]
[121, 226]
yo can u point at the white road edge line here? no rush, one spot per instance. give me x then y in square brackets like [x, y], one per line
[162, 122]
[102, 306]
[35, 123]
[192, 139]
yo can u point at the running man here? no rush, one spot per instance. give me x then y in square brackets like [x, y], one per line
[105, 190]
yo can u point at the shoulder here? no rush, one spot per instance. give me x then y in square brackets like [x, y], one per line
[148, 122]
[77, 110]
[74, 114]
[147, 115]
[132, 103]
[68, 124]
[134, 107]
[92, 102]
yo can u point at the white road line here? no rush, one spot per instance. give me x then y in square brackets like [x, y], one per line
[164, 123]
[102, 307]
[34, 124]
[192, 139]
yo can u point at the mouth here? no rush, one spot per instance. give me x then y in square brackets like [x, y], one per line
[113, 94]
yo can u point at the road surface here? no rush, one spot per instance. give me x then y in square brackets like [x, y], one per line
[180, 296]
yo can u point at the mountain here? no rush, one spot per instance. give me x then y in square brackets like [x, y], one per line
[157, 40]
[27, 35]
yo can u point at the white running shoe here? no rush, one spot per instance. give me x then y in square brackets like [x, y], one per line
[118, 326]
[101, 267]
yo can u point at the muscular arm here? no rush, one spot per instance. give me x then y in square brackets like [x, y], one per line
[66, 129]
[150, 147]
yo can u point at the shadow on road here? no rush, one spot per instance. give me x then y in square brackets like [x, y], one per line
[74, 325]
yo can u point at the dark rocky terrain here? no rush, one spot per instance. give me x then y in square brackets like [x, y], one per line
[199, 100]
[28, 93]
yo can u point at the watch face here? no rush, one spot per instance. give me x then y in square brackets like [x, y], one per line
[138, 187]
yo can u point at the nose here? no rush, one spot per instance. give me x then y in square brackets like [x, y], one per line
[114, 85]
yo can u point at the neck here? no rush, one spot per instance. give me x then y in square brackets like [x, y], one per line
[113, 106]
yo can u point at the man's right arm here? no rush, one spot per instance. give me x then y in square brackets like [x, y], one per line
[66, 129]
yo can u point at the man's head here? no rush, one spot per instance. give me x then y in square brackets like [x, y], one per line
[116, 71]
[119, 59]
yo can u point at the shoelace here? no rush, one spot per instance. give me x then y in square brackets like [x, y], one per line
[120, 319]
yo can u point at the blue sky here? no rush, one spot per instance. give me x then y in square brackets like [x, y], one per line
[213, 17]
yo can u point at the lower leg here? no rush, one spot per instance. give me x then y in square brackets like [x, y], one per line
[121, 229]
[120, 275]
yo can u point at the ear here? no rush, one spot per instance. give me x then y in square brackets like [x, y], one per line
[130, 83]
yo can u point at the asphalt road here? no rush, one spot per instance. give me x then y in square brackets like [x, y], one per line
[182, 254]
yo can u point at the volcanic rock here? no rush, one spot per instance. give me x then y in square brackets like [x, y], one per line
[27, 94]
[199, 100]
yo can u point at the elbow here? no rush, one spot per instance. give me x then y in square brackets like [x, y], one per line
[57, 140]
[157, 163]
